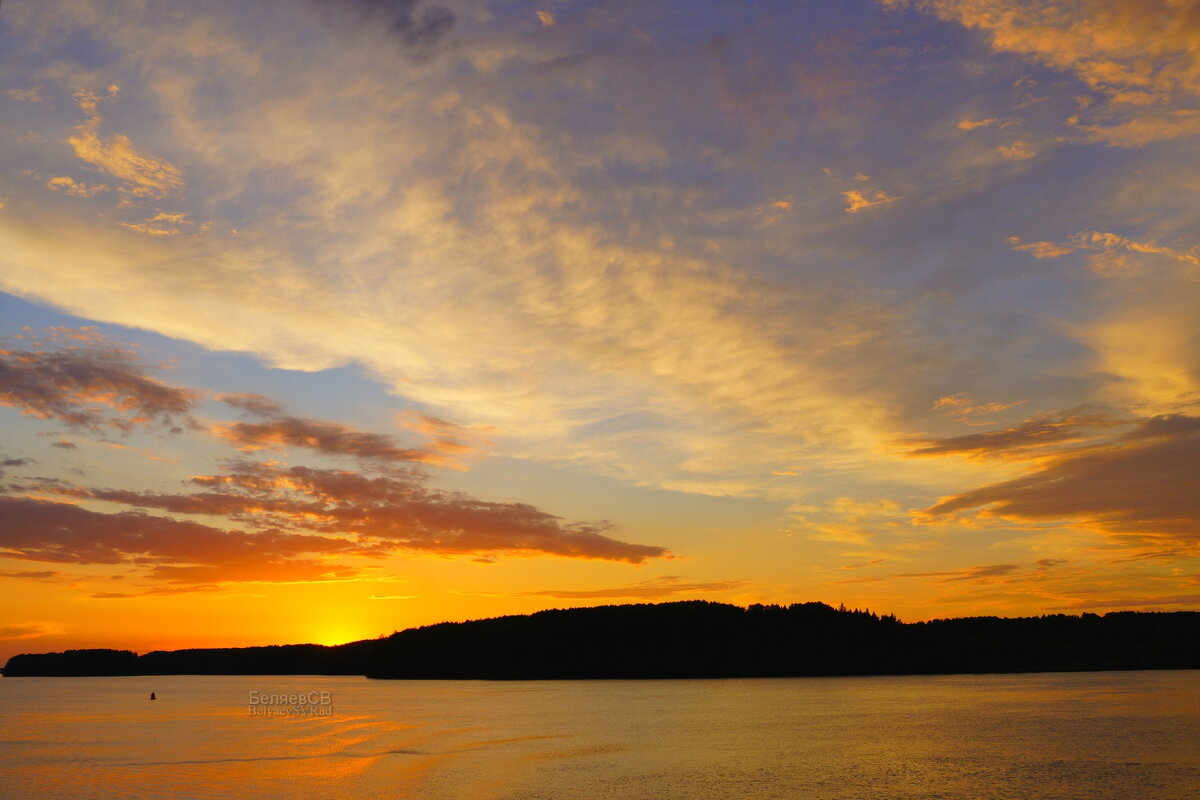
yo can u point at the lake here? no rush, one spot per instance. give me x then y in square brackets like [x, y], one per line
[1062, 736]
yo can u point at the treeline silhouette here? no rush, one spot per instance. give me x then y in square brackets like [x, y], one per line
[693, 639]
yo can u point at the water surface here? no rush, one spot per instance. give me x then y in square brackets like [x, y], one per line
[1067, 736]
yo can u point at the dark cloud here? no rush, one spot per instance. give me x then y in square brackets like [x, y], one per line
[37, 575]
[280, 429]
[969, 574]
[862, 564]
[158, 590]
[173, 550]
[31, 631]
[1029, 438]
[419, 28]
[252, 403]
[394, 511]
[1142, 484]
[63, 444]
[90, 386]
[11, 463]
[1132, 603]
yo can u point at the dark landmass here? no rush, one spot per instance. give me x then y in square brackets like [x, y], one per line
[695, 639]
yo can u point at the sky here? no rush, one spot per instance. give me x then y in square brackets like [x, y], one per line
[327, 318]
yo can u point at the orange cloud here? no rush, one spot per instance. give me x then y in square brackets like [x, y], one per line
[972, 124]
[1146, 128]
[69, 186]
[393, 512]
[446, 441]
[1133, 50]
[1109, 247]
[1040, 249]
[161, 224]
[1111, 242]
[964, 409]
[174, 550]
[1138, 55]
[1017, 151]
[858, 201]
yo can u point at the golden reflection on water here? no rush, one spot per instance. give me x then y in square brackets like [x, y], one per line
[1026, 737]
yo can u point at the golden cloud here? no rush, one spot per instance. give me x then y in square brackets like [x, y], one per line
[145, 174]
[1132, 50]
[1017, 151]
[858, 201]
[68, 185]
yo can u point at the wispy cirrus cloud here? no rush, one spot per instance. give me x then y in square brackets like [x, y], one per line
[141, 173]
[1111, 250]
[161, 224]
[963, 408]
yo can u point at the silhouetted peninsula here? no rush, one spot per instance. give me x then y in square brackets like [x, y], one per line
[694, 639]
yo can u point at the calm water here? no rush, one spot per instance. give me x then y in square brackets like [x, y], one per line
[1072, 736]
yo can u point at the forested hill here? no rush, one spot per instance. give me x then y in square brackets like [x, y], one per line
[688, 640]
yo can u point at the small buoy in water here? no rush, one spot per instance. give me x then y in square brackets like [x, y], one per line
[152, 697]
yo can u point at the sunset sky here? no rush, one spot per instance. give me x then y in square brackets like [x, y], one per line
[326, 318]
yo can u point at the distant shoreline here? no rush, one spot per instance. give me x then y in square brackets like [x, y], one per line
[684, 640]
